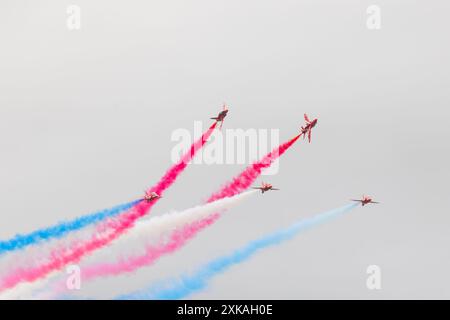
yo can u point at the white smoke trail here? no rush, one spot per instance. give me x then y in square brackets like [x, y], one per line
[144, 233]
[157, 227]
[181, 287]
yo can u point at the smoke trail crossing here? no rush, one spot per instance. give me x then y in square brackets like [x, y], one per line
[180, 236]
[61, 229]
[187, 284]
[107, 232]
[155, 227]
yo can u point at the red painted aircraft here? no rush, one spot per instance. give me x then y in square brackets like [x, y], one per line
[365, 200]
[221, 117]
[265, 187]
[151, 196]
[308, 127]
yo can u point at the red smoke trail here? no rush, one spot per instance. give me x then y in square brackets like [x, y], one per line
[239, 184]
[179, 237]
[246, 178]
[113, 228]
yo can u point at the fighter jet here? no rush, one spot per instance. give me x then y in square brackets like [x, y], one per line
[308, 127]
[365, 200]
[151, 196]
[265, 187]
[221, 117]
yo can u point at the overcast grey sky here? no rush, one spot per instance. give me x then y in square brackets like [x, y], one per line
[86, 118]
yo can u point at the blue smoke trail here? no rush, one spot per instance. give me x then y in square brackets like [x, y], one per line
[61, 229]
[187, 284]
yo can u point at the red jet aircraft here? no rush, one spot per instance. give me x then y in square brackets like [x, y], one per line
[365, 200]
[265, 187]
[221, 117]
[151, 196]
[308, 127]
